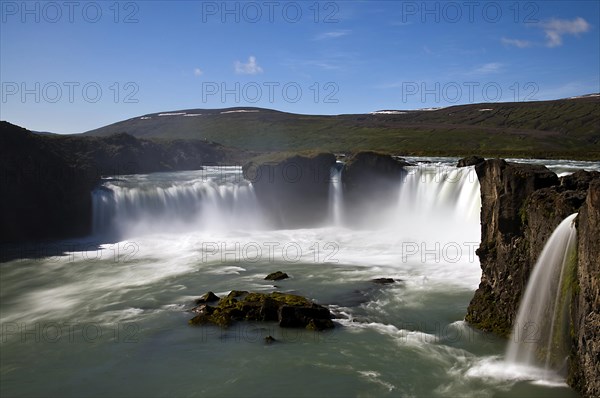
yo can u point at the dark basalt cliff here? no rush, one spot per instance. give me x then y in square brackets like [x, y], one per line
[585, 314]
[47, 180]
[292, 189]
[370, 184]
[521, 207]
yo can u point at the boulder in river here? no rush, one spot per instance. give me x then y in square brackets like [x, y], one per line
[287, 309]
[276, 276]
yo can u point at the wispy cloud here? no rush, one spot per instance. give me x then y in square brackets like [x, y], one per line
[489, 68]
[516, 42]
[555, 29]
[198, 72]
[249, 68]
[332, 35]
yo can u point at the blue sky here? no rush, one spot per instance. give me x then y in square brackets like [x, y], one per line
[71, 67]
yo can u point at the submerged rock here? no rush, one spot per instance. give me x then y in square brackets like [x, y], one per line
[383, 281]
[287, 309]
[276, 276]
[270, 339]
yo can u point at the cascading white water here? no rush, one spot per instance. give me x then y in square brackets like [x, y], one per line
[439, 203]
[336, 194]
[540, 333]
[435, 204]
[214, 200]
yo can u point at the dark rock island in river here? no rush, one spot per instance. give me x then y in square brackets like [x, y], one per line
[287, 309]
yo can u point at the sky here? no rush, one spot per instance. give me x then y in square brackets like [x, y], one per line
[72, 66]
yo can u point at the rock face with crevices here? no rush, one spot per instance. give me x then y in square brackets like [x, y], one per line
[585, 356]
[504, 252]
[521, 206]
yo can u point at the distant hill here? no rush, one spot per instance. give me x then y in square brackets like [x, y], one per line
[567, 128]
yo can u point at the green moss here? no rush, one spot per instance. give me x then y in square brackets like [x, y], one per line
[289, 299]
[523, 214]
[241, 305]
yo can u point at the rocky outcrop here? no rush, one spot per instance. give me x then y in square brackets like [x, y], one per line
[585, 356]
[470, 161]
[287, 309]
[521, 207]
[292, 189]
[373, 172]
[276, 276]
[44, 195]
[47, 179]
[504, 252]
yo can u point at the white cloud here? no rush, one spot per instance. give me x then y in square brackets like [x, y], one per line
[249, 68]
[332, 35]
[198, 72]
[485, 69]
[555, 29]
[516, 42]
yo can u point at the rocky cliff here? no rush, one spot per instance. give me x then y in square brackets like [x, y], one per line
[292, 189]
[585, 363]
[521, 207]
[47, 180]
[373, 172]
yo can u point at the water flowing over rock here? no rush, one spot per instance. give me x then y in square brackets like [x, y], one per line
[504, 252]
[540, 335]
[521, 206]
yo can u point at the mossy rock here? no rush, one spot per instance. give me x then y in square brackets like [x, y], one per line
[288, 310]
[276, 276]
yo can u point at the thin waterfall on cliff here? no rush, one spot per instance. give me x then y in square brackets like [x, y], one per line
[541, 331]
[335, 194]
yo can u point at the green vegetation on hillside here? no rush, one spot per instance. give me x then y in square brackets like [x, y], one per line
[547, 129]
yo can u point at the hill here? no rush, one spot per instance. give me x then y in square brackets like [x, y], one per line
[566, 128]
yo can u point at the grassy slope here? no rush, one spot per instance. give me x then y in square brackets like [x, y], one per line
[562, 128]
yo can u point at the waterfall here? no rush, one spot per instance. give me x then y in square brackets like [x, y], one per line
[438, 203]
[541, 331]
[432, 203]
[175, 201]
[336, 194]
